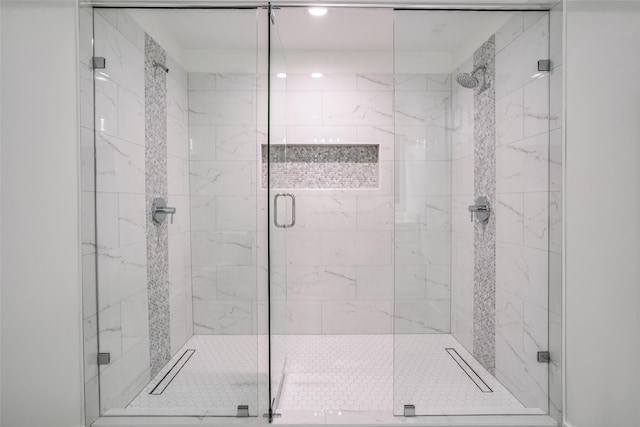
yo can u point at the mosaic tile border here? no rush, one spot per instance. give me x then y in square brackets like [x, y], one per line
[484, 133]
[155, 97]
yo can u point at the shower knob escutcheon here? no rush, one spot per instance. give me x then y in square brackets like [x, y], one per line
[160, 210]
[481, 210]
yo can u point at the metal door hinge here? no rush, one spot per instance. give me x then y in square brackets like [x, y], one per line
[409, 410]
[544, 65]
[243, 411]
[99, 63]
[104, 358]
[544, 357]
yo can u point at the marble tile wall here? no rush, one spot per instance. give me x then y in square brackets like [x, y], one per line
[422, 203]
[121, 210]
[521, 208]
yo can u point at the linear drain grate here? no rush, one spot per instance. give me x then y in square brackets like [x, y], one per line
[173, 372]
[471, 373]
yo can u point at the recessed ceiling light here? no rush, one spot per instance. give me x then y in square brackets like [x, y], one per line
[316, 75]
[281, 75]
[317, 11]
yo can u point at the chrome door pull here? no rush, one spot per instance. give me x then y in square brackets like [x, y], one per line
[293, 210]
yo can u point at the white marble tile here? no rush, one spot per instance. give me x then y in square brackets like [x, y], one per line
[110, 331]
[510, 118]
[518, 62]
[202, 81]
[302, 108]
[132, 218]
[536, 220]
[375, 213]
[203, 213]
[130, 28]
[422, 108]
[374, 82]
[120, 166]
[223, 248]
[106, 104]
[204, 280]
[356, 248]
[423, 248]
[177, 72]
[89, 286]
[304, 82]
[304, 248]
[177, 138]
[222, 178]
[536, 106]
[135, 319]
[555, 221]
[523, 271]
[177, 176]
[357, 108]
[555, 98]
[523, 166]
[439, 82]
[303, 317]
[87, 154]
[431, 178]
[321, 282]
[88, 215]
[410, 82]
[461, 145]
[237, 283]
[509, 31]
[124, 61]
[356, 317]
[318, 134]
[438, 213]
[221, 108]
[536, 329]
[179, 252]
[460, 217]
[510, 319]
[235, 213]
[107, 221]
[509, 211]
[410, 282]
[177, 100]
[375, 282]
[202, 142]
[235, 143]
[87, 116]
[181, 318]
[325, 213]
[439, 282]
[532, 17]
[222, 317]
[411, 143]
[236, 81]
[131, 117]
[422, 317]
[181, 220]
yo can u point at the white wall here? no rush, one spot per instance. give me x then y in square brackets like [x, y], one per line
[41, 339]
[602, 245]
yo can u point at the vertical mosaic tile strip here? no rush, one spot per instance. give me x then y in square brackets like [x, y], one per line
[155, 94]
[484, 133]
[322, 166]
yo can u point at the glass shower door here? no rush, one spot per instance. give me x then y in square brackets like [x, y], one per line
[176, 198]
[471, 296]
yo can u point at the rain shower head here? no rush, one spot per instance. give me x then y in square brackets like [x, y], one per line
[469, 80]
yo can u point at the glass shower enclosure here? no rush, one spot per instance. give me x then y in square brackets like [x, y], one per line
[338, 213]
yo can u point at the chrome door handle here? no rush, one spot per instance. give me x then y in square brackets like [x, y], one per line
[275, 210]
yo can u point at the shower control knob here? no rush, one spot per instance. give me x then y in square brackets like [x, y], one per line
[160, 210]
[482, 209]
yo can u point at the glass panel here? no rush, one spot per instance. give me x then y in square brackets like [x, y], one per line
[279, 208]
[176, 174]
[332, 139]
[472, 119]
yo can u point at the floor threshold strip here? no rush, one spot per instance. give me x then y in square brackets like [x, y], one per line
[471, 373]
[172, 373]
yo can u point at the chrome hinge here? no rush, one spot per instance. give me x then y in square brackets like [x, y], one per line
[243, 411]
[409, 410]
[544, 65]
[104, 358]
[544, 357]
[99, 63]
